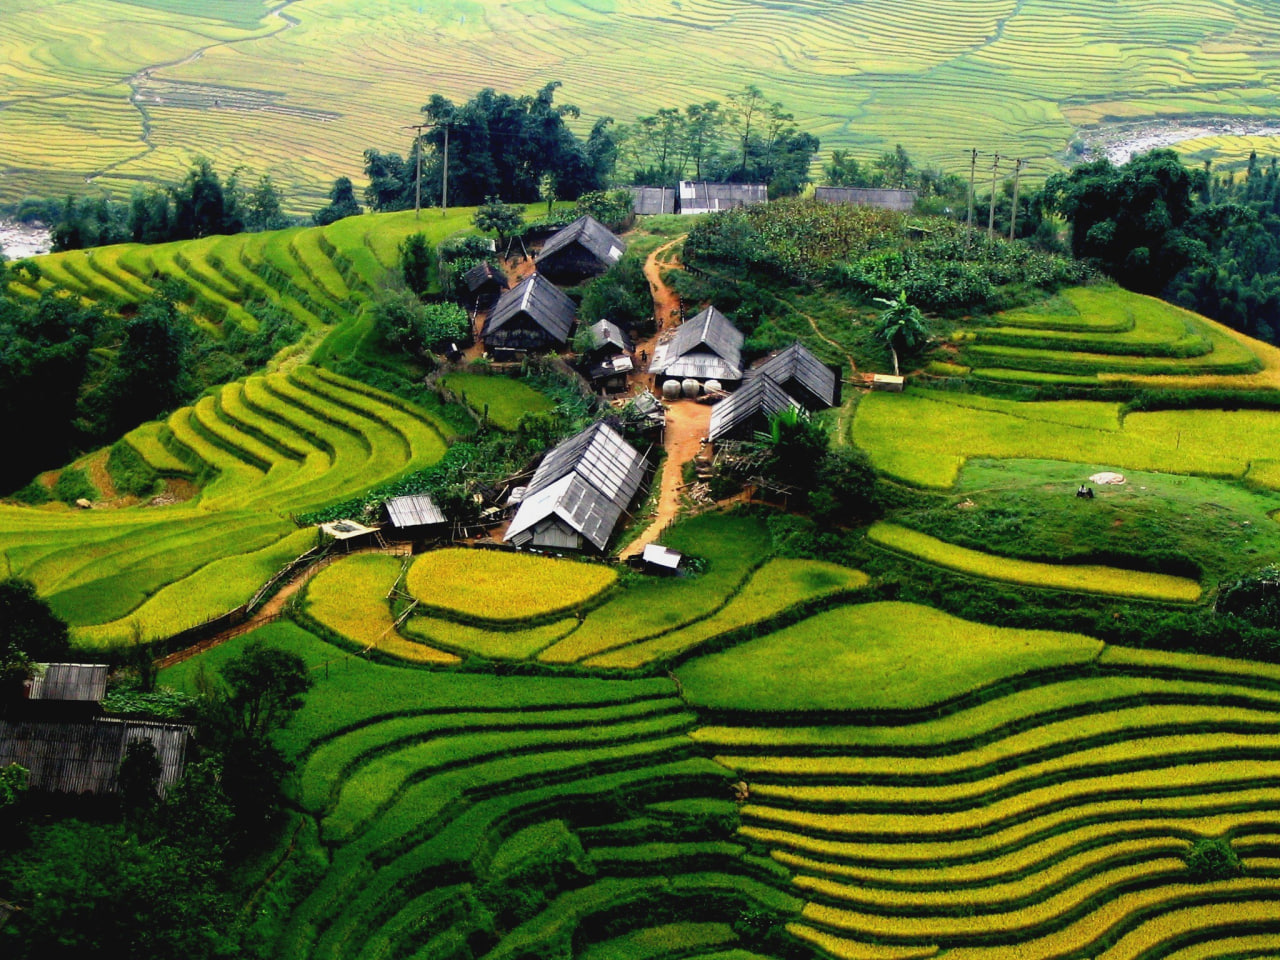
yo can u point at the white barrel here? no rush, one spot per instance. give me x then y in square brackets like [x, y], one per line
[691, 387]
[713, 386]
[671, 389]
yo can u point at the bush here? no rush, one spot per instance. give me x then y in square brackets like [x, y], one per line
[72, 485]
[1211, 860]
[131, 474]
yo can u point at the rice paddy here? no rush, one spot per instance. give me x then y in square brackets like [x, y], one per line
[119, 93]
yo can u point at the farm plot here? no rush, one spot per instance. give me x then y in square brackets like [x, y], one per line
[1045, 816]
[501, 400]
[925, 437]
[444, 804]
[264, 448]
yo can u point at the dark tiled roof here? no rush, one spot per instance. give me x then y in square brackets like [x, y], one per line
[608, 332]
[868, 197]
[587, 481]
[652, 200]
[482, 273]
[797, 365]
[755, 402]
[413, 511]
[706, 346]
[86, 682]
[592, 235]
[84, 756]
[545, 304]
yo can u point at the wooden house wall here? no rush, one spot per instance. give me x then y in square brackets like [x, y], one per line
[571, 264]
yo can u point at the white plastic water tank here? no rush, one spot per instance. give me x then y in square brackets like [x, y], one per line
[691, 387]
[671, 389]
[713, 386]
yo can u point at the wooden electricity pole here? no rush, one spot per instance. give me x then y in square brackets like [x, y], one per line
[991, 217]
[1013, 216]
[417, 180]
[444, 175]
[973, 172]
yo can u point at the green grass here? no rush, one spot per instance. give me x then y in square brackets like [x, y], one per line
[503, 400]
[1085, 578]
[873, 656]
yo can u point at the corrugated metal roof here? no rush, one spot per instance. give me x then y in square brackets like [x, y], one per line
[85, 682]
[661, 556]
[413, 511]
[699, 196]
[608, 332]
[796, 365]
[748, 409]
[84, 756]
[653, 200]
[587, 481]
[868, 197]
[541, 301]
[589, 233]
[699, 341]
[482, 273]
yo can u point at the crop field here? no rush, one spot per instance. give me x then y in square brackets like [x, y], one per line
[118, 91]
[924, 437]
[1045, 814]
[500, 400]
[263, 448]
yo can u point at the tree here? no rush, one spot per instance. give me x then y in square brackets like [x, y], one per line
[14, 780]
[845, 488]
[30, 632]
[547, 189]
[1212, 859]
[901, 326]
[795, 446]
[263, 687]
[416, 263]
[262, 208]
[139, 777]
[342, 203]
[202, 207]
[504, 219]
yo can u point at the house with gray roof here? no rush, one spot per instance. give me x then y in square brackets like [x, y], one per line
[414, 515]
[579, 491]
[705, 347]
[583, 249]
[609, 361]
[699, 196]
[805, 378]
[749, 410]
[485, 282]
[531, 317]
[885, 199]
[649, 201]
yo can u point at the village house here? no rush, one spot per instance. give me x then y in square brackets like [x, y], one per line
[529, 318]
[805, 378]
[706, 348]
[578, 493]
[609, 361]
[901, 200]
[415, 517]
[743, 414]
[583, 249]
[650, 201]
[485, 282]
[699, 196]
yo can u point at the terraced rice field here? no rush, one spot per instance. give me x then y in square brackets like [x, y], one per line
[924, 437]
[120, 92]
[1043, 815]
[263, 449]
[318, 275]
[1107, 336]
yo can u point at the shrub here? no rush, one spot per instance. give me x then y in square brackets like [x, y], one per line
[1213, 859]
[72, 485]
[129, 472]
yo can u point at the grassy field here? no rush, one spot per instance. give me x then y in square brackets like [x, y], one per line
[501, 400]
[263, 448]
[302, 93]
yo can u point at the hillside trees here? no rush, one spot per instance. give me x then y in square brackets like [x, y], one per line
[342, 203]
[30, 632]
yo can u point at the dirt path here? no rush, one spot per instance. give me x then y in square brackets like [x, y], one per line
[666, 305]
[853, 366]
[269, 611]
[687, 424]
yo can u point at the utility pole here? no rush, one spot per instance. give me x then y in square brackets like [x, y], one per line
[991, 218]
[417, 180]
[973, 171]
[444, 175]
[1013, 216]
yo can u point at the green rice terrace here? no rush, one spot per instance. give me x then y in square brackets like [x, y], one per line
[119, 92]
[990, 722]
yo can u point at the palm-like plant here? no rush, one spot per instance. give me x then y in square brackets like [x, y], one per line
[901, 324]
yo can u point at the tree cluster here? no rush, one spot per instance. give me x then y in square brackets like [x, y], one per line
[499, 146]
[747, 139]
[202, 205]
[1209, 244]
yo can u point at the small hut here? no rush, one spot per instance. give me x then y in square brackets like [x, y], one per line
[69, 682]
[741, 415]
[609, 361]
[485, 282]
[578, 493]
[415, 517]
[532, 317]
[805, 378]
[885, 199]
[583, 249]
[661, 560]
[699, 196]
[888, 382]
[706, 347]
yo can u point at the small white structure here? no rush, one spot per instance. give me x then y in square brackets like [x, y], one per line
[888, 382]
